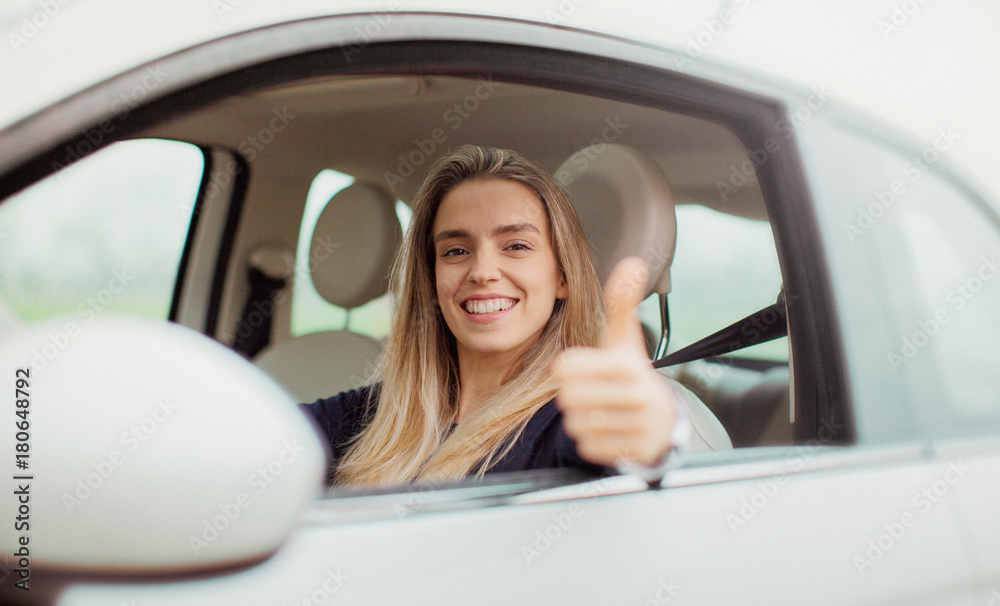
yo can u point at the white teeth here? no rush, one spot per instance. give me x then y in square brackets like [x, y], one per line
[488, 307]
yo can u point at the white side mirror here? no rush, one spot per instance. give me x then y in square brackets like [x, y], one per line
[147, 448]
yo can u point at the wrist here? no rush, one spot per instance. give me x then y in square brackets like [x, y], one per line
[680, 437]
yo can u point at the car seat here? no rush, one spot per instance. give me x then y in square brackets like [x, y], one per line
[626, 208]
[351, 253]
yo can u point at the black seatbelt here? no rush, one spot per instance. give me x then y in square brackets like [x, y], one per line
[765, 325]
[253, 332]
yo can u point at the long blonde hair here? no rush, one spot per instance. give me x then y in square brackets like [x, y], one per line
[418, 400]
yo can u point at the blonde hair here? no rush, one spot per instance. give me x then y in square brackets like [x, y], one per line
[408, 437]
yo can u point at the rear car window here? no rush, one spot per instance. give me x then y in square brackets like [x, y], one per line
[310, 311]
[103, 235]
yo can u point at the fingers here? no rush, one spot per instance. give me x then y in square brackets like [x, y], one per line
[607, 435]
[613, 449]
[625, 289]
[605, 420]
[622, 364]
[614, 405]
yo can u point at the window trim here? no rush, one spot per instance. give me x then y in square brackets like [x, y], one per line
[199, 203]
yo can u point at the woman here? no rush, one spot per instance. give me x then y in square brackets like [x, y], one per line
[498, 312]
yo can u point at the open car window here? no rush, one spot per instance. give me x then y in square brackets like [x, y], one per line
[421, 110]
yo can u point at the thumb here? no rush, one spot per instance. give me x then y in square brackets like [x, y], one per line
[622, 294]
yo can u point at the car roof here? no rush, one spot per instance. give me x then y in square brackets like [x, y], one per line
[374, 129]
[88, 41]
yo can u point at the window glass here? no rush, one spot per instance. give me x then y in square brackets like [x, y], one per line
[954, 248]
[103, 235]
[915, 260]
[725, 268]
[311, 312]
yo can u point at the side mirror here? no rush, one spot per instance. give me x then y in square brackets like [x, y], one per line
[141, 448]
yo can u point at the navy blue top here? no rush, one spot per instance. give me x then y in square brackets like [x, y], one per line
[543, 443]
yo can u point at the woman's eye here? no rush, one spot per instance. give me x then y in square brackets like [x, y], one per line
[518, 246]
[451, 252]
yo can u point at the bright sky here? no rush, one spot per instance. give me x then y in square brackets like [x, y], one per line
[919, 64]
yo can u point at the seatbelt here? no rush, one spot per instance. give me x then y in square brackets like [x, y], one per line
[269, 270]
[253, 332]
[765, 325]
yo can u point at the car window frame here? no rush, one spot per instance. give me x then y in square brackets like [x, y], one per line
[614, 69]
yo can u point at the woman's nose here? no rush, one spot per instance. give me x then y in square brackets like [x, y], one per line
[485, 268]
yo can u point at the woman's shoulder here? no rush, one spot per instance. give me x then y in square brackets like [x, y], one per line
[350, 396]
[544, 444]
[343, 415]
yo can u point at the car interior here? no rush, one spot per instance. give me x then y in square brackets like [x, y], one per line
[667, 184]
[626, 167]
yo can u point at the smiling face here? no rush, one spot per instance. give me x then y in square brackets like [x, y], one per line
[497, 278]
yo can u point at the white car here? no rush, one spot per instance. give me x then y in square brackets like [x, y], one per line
[238, 188]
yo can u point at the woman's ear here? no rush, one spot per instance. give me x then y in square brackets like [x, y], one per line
[562, 291]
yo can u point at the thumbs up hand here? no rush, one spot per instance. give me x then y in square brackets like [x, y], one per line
[614, 404]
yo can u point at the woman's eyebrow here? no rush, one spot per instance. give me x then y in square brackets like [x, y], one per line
[451, 233]
[516, 227]
[499, 230]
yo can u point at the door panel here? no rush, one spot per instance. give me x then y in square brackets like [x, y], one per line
[842, 536]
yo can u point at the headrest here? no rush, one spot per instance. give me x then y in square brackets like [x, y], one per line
[353, 245]
[626, 208]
